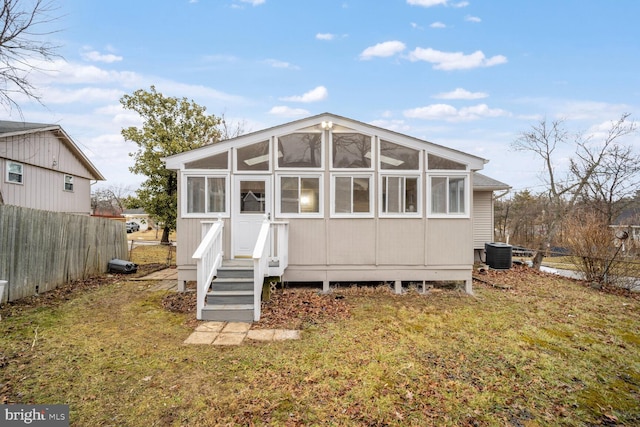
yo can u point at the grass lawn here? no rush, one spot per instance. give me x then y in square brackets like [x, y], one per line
[540, 351]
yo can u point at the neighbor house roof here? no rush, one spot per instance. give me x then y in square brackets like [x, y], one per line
[9, 129]
[484, 183]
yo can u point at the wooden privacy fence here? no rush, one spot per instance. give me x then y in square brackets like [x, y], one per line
[40, 250]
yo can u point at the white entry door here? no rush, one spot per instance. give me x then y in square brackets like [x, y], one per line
[251, 202]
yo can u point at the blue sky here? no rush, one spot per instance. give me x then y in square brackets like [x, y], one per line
[470, 75]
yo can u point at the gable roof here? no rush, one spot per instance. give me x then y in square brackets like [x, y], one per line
[9, 129]
[177, 161]
[484, 183]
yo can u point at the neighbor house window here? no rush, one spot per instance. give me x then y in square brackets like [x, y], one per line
[300, 195]
[300, 150]
[68, 183]
[206, 195]
[14, 172]
[400, 195]
[352, 195]
[350, 151]
[448, 195]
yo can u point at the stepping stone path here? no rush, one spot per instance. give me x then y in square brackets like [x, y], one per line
[234, 333]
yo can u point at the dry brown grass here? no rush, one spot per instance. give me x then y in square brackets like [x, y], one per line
[545, 351]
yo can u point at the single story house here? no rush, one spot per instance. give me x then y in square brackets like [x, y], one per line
[326, 199]
[42, 168]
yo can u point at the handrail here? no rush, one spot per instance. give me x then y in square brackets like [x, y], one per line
[260, 266]
[266, 249]
[208, 258]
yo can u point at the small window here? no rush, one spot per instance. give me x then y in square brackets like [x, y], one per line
[206, 195]
[398, 157]
[300, 195]
[400, 195]
[254, 157]
[218, 161]
[300, 150]
[14, 172]
[68, 183]
[448, 195]
[352, 195]
[440, 163]
[351, 151]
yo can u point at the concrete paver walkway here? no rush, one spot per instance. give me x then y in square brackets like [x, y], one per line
[234, 333]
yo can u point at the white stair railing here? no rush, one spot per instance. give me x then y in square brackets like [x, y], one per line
[208, 258]
[268, 249]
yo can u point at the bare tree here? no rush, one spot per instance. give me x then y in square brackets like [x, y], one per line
[593, 159]
[231, 130]
[22, 44]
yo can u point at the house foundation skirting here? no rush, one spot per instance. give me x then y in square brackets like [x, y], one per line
[368, 273]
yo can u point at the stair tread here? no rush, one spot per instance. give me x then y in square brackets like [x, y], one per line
[210, 307]
[231, 292]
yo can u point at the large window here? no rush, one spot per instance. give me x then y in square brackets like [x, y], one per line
[400, 195]
[14, 172]
[217, 161]
[254, 157]
[300, 195]
[398, 157]
[440, 163]
[300, 150]
[351, 151]
[206, 195]
[448, 195]
[352, 195]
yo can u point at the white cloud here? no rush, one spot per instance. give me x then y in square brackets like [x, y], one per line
[455, 60]
[415, 26]
[431, 3]
[325, 36]
[284, 111]
[281, 64]
[427, 3]
[253, 2]
[314, 95]
[95, 56]
[451, 114]
[438, 25]
[86, 95]
[383, 50]
[470, 18]
[396, 125]
[460, 93]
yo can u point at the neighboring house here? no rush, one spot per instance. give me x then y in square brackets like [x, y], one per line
[353, 203]
[140, 217]
[42, 168]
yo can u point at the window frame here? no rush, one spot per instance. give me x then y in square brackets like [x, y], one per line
[418, 213]
[8, 173]
[206, 174]
[372, 194]
[467, 196]
[64, 183]
[299, 175]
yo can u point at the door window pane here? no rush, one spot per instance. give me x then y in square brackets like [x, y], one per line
[252, 197]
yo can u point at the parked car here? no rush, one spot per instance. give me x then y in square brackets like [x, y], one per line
[132, 226]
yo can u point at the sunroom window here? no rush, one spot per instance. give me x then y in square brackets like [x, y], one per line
[400, 195]
[206, 195]
[398, 157]
[218, 161]
[352, 194]
[254, 157]
[448, 195]
[300, 150]
[440, 163]
[300, 195]
[351, 151]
